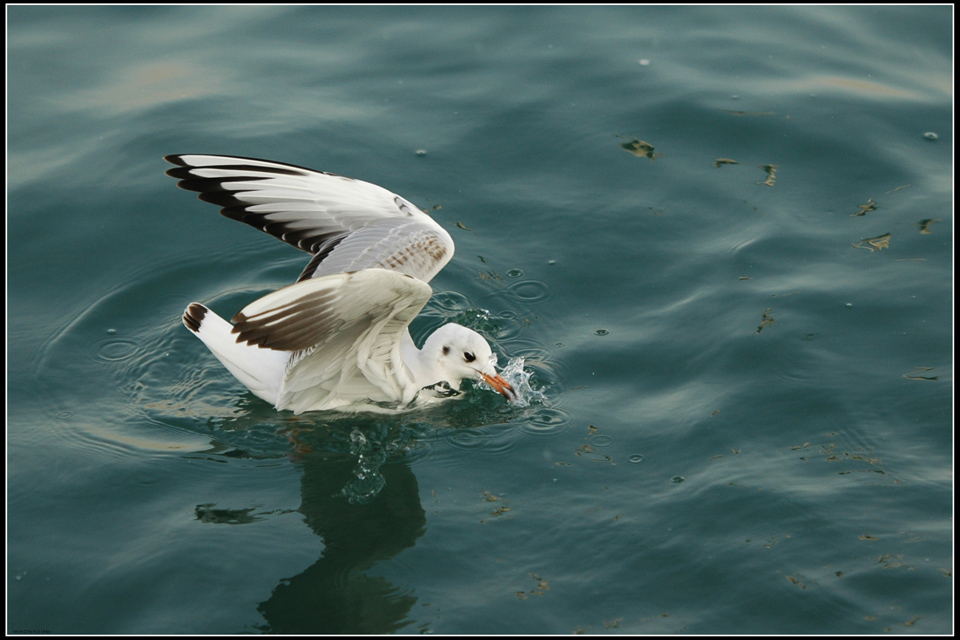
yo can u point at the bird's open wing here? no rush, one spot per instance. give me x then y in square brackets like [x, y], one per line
[346, 224]
[345, 331]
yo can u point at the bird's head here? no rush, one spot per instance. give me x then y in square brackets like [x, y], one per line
[459, 353]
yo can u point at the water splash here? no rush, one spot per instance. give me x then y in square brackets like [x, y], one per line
[520, 381]
[369, 481]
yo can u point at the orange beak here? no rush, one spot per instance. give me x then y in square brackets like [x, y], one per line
[502, 386]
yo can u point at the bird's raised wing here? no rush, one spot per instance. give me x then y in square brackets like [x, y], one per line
[346, 224]
[345, 331]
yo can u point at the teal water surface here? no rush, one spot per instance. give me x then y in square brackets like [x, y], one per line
[721, 238]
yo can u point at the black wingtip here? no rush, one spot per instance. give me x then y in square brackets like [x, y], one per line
[193, 316]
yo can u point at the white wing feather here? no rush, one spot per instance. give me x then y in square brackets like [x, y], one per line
[346, 224]
[344, 331]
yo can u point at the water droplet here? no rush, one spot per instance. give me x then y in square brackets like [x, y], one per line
[514, 273]
[551, 262]
[930, 135]
[111, 331]
[601, 332]
[677, 479]
[635, 458]
[849, 305]
[558, 344]
[421, 152]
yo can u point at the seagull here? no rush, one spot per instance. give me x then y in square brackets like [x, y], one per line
[339, 337]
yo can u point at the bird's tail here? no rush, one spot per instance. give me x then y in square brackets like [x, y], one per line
[260, 370]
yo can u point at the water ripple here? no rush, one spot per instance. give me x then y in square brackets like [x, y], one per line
[529, 290]
[115, 350]
[546, 421]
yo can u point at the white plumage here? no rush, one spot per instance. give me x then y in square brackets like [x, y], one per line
[338, 338]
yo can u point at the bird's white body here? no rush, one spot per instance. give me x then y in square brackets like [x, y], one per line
[338, 338]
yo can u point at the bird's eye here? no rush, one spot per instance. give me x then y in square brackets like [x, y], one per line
[446, 350]
[469, 357]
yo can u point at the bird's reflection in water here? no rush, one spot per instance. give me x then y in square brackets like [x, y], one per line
[334, 595]
[360, 496]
